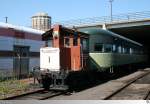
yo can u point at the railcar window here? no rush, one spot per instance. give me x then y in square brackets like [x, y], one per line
[119, 49]
[108, 48]
[141, 52]
[48, 43]
[125, 50]
[131, 51]
[136, 51]
[84, 45]
[98, 47]
[114, 48]
[67, 42]
[75, 41]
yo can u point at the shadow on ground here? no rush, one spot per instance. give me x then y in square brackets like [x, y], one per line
[82, 80]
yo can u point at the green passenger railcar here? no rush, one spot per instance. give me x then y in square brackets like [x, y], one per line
[108, 50]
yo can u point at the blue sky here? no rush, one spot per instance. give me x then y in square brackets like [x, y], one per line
[19, 12]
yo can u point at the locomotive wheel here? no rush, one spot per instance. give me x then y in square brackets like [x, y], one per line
[46, 82]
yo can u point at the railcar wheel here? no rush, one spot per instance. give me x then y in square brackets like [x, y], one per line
[46, 81]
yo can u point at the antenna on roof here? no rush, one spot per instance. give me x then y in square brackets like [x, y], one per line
[6, 18]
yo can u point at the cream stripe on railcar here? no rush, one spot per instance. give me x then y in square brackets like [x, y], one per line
[107, 60]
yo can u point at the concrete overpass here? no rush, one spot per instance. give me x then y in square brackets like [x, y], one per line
[132, 25]
[120, 24]
[135, 26]
[138, 30]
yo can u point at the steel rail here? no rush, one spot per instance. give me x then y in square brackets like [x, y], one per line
[53, 95]
[35, 95]
[21, 95]
[147, 96]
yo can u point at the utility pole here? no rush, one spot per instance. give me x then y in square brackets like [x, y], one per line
[6, 18]
[111, 10]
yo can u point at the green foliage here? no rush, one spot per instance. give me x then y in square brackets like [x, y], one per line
[12, 86]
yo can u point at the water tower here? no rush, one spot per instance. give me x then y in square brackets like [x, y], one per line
[41, 21]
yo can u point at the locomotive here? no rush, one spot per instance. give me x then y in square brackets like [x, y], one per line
[70, 55]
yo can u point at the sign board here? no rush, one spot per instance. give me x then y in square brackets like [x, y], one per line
[50, 59]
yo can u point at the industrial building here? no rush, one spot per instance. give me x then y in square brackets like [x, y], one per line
[19, 49]
[41, 21]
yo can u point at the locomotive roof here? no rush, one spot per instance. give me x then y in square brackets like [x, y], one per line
[65, 32]
[97, 31]
[20, 28]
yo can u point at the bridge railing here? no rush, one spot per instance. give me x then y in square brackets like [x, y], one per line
[106, 19]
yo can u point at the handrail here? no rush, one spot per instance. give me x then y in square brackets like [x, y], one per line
[106, 19]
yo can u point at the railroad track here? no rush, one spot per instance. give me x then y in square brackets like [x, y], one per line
[126, 86]
[36, 95]
[147, 96]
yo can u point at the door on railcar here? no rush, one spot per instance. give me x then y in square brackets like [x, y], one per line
[85, 53]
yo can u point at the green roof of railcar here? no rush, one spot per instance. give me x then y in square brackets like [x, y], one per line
[98, 31]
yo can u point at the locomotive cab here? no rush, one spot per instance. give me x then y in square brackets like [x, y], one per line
[63, 53]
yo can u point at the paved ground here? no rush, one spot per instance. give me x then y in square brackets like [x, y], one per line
[101, 91]
[133, 92]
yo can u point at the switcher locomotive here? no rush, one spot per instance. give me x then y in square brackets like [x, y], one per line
[69, 54]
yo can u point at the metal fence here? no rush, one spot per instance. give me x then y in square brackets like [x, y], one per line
[5, 74]
[106, 19]
[11, 85]
[9, 75]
